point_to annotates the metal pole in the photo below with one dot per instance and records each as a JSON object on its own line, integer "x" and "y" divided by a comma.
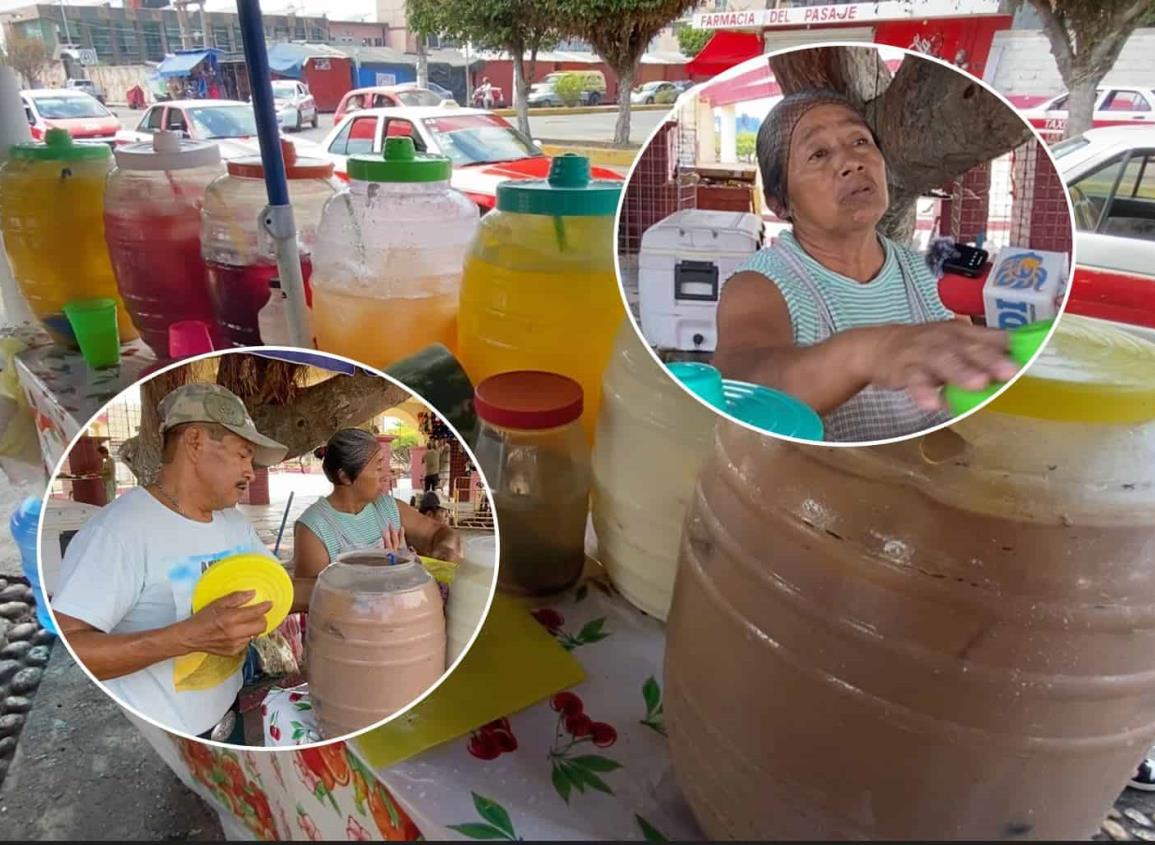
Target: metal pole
{"x": 64, "y": 15}
{"x": 277, "y": 218}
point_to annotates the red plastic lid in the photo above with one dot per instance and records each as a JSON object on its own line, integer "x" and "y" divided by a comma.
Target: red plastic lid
{"x": 251, "y": 167}
{"x": 528, "y": 399}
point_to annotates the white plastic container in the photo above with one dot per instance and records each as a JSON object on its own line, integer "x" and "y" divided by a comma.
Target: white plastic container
{"x": 389, "y": 256}
{"x": 469, "y": 595}
{"x": 652, "y": 438}
{"x": 684, "y": 261}
{"x": 1024, "y": 286}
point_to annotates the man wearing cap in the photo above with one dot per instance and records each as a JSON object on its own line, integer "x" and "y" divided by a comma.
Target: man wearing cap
{"x": 125, "y": 601}
{"x": 835, "y": 313}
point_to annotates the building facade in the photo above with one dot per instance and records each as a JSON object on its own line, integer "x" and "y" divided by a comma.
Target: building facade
{"x": 132, "y": 36}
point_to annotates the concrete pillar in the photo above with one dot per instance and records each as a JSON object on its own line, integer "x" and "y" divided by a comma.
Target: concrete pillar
{"x": 705, "y": 131}
{"x": 729, "y": 146}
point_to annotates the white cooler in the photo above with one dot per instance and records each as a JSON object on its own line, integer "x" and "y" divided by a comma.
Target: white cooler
{"x": 684, "y": 261}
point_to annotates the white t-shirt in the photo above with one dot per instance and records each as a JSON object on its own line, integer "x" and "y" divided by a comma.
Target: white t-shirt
{"x": 132, "y": 568}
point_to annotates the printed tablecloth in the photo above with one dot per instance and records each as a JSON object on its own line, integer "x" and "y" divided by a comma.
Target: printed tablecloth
{"x": 589, "y": 763}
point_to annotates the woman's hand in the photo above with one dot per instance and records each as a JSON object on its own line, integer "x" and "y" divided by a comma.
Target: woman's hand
{"x": 395, "y": 539}
{"x": 922, "y": 359}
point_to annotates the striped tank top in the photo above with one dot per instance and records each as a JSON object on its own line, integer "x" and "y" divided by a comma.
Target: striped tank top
{"x": 344, "y": 532}
{"x": 851, "y": 303}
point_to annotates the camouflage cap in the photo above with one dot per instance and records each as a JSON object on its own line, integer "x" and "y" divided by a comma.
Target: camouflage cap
{"x": 211, "y": 403}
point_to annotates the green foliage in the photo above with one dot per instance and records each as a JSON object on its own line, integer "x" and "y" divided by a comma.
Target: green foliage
{"x": 746, "y": 144}
{"x": 505, "y": 25}
{"x": 406, "y": 436}
{"x": 691, "y": 41}
{"x": 667, "y": 96}
{"x": 569, "y": 88}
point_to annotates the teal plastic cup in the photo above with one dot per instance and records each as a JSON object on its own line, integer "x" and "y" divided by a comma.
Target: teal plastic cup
{"x": 702, "y": 380}
{"x": 93, "y": 323}
{"x": 773, "y": 411}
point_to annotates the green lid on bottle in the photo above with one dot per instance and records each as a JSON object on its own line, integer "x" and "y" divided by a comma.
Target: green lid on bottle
{"x": 59, "y": 146}
{"x": 400, "y": 162}
{"x": 1022, "y": 343}
{"x": 568, "y": 192}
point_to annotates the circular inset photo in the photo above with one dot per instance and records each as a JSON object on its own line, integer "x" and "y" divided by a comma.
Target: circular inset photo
{"x": 268, "y": 547}
{"x": 845, "y": 244}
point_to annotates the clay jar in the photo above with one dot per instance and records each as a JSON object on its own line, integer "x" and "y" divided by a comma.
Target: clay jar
{"x": 375, "y": 641}
{"x": 950, "y": 637}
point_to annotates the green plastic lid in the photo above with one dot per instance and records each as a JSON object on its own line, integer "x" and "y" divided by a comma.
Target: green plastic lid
{"x": 772, "y": 411}
{"x": 568, "y": 192}
{"x": 400, "y": 162}
{"x": 1023, "y": 343}
{"x": 59, "y": 146}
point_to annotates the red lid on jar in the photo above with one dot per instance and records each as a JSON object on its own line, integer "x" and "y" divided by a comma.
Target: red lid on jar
{"x": 251, "y": 167}
{"x": 528, "y": 399}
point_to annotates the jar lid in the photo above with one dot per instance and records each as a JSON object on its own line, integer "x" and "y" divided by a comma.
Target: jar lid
{"x": 400, "y": 162}
{"x": 772, "y": 411}
{"x": 168, "y": 151}
{"x": 568, "y": 192}
{"x": 252, "y": 167}
{"x": 528, "y": 400}
{"x": 59, "y": 146}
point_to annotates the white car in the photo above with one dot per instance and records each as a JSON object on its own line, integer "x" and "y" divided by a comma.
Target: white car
{"x": 295, "y": 105}
{"x": 230, "y": 123}
{"x": 1123, "y": 105}
{"x": 649, "y": 92}
{"x": 1110, "y": 174}
{"x": 484, "y": 148}
{"x": 85, "y": 117}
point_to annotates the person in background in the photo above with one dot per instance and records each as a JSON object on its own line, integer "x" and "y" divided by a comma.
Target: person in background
{"x": 357, "y": 516}
{"x": 836, "y": 314}
{"x": 125, "y": 598}
{"x": 107, "y": 472}
{"x": 431, "y": 461}
{"x": 431, "y": 506}
{"x": 1144, "y": 778}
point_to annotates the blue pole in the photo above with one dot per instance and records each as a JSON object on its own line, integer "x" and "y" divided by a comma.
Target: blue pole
{"x": 277, "y": 219}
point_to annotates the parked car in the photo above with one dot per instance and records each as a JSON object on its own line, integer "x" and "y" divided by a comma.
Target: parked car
{"x": 1110, "y": 173}
{"x": 544, "y": 94}
{"x": 389, "y": 96}
{"x": 230, "y": 123}
{"x": 441, "y": 91}
{"x": 1122, "y": 105}
{"x": 652, "y": 92}
{"x": 295, "y": 105}
{"x": 484, "y": 148}
{"x": 88, "y": 87}
{"x": 81, "y": 114}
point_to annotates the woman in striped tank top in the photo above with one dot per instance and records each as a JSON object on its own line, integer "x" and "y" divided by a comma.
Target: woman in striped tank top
{"x": 834, "y": 313}
{"x": 357, "y": 516}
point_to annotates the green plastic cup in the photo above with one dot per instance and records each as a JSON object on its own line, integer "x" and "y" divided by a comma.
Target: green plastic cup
{"x": 703, "y": 381}
{"x": 93, "y": 322}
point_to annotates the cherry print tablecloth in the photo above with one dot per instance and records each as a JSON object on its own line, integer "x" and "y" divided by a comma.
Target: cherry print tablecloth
{"x": 589, "y": 763}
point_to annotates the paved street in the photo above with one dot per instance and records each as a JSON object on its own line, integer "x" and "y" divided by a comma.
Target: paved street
{"x": 596, "y": 127}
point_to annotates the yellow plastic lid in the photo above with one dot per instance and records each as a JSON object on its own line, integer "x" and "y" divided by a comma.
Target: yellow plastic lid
{"x": 241, "y": 573}
{"x": 1089, "y": 372}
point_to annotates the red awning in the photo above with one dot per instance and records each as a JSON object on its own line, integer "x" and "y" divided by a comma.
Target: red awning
{"x": 723, "y": 51}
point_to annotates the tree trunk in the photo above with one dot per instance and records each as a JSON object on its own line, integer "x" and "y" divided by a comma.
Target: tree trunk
{"x": 625, "y": 86}
{"x": 521, "y": 91}
{"x": 1080, "y": 106}
{"x": 933, "y": 123}
{"x": 422, "y": 62}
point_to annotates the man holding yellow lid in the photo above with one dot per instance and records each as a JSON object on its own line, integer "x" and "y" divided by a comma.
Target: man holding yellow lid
{"x": 125, "y": 601}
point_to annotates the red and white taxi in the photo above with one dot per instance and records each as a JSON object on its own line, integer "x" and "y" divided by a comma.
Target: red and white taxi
{"x": 484, "y": 148}
{"x": 1110, "y": 174}
{"x": 1123, "y": 105}
{"x": 60, "y": 108}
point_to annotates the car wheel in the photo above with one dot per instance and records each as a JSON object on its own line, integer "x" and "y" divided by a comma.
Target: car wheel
{"x": 300, "y": 122}
{"x": 315, "y": 119}
{"x": 649, "y": 101}
{"x": 595, "y": 98}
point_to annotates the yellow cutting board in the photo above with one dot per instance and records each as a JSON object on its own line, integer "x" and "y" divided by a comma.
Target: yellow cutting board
{"x": 513, "y": 664}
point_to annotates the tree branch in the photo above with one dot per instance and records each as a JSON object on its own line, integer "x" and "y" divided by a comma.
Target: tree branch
{"x": 1059, "y": 37}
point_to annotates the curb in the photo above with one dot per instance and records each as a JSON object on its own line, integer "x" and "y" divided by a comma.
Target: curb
{"x": 562, "y": 110}
{"x": 603, "y": 156}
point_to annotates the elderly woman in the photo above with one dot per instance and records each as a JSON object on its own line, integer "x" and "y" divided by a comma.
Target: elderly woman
{"x": 835, "y": 313}
{"x": 358, "y": 516}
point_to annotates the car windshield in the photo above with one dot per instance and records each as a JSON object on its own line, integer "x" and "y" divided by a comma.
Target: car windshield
{"x": 1069, "y": 146}
{"x": 212, "y": 122}
{"x": 68, "y": 108}
{"x": 479, "y": 139}
{"x": 418, "y": 97}
{"x": 284, "y": 90}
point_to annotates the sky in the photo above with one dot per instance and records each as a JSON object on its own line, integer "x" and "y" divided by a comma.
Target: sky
{"x": 337, "y": 9}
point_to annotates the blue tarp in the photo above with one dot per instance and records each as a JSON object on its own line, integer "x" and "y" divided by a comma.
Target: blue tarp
{"x": 370, "y": 75}
{"x": 182, "y": 64}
